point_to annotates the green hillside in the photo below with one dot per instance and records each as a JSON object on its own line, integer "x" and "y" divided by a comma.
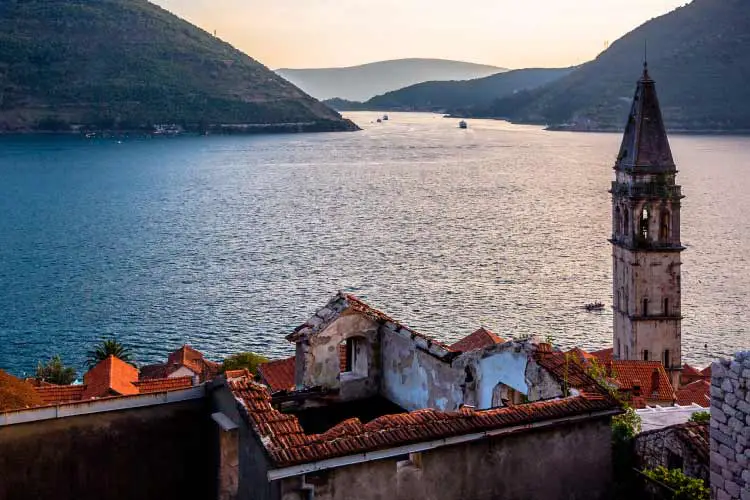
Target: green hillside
{"x": 128, "y": 64}
{"x": 699, "y": 56}
{"x": 461, "y": 96}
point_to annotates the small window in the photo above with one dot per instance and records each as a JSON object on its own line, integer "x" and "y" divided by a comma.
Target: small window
{"x": 645, "y": 355}
{"x": 674, "y": 461}
{"x": 665, "y": 229}
{"x": 666, "y": 358}
{"x": 666, "y": 307}
{"x": 645, "y": 307}
{"x": 645, "y": 221}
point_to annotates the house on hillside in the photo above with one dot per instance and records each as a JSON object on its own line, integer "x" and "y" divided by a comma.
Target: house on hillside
{"x": 367, "y": 402}
{"x": 184, "y": 362}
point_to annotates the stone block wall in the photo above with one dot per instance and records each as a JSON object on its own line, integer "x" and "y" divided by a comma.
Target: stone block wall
{"x": 730, "y": 428}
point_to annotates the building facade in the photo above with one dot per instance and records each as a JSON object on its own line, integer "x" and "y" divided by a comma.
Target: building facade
{"x": 646, "y": 244}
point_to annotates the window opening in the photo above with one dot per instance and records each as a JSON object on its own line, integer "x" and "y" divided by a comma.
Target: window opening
{"x": 645, "y": 307}
{"x": 665, "y": 226}
{"x": 645, "y": 355}
{"x": 645, "y": 217}
{"x": 666, "y": 358}
{"x": 666, "y": 307}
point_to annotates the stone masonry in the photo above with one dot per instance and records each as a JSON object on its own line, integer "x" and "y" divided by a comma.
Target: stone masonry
{"x": 730, "y": 428}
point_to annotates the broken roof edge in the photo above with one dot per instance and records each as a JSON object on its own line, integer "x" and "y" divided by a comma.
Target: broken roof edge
{"x": 341, "y": 302}
{"x": 286, "y": 444}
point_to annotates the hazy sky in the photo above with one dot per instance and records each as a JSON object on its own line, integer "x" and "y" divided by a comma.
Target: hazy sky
{"x": 508, "y": 33}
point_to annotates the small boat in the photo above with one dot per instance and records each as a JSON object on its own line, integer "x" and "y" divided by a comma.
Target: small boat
{"x": 594, "y": 306}
{"x": 385, "y": 118}
{"x": 463, "y": 124}
{"x": 379, "y": 120}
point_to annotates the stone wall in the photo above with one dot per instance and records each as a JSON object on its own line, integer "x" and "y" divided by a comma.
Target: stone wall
{"x": 730, "y": 428}
{"x": 671, "y": 447}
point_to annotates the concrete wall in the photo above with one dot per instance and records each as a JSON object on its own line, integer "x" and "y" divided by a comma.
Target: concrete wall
{"x": 571, "y": 462}
{"x": 730, "y": 428}
{"x": 166, "y": 451}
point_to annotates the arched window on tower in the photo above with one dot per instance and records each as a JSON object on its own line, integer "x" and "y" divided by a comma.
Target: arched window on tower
{"x": 645, "y": 220}
{"x": 665, "y": 226}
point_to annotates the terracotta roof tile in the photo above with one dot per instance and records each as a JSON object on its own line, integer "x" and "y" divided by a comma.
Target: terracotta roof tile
{"x": 480, "y": 339}
{"x": 649, "y": 375}
{"x": 163, "y": 385}
{"x": 604, "y": 355}
{"x": 244, "y": 372}
{"x": 153, "y": 371}
{"x": 53, "y": 394}
{"x": 698, "y": 392}
{"x": 287, "y": 443}
{"x": 111, "y": 376}
{"x": 278, "y": 375}
{"x": 706, "y": 371}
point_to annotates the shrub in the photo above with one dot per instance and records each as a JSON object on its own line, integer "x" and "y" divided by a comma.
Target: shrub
{"x": 241, "y": 360}
{"x": 684, "y": 487}
{"x": 702, "y": 417}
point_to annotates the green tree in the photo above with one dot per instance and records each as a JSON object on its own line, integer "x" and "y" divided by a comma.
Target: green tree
{"x": 682, "y": 486}
{"x": 55, "y": 372}
{"x": 702, "y": 417}
{"x": 106, "y": 348}
{"x": 241, "y": 360}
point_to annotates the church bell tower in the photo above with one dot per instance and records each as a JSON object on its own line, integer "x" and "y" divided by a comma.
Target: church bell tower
{"x": 645, "y": 240}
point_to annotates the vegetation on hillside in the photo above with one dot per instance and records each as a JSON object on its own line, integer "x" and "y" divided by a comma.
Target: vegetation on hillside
{"x": 683, "y": 487}
{"x": 701, "y": 417}
{"x": 55, "y": 372}
{"x": 698, "y": 55}
{"x": 15, "y": 393}
{"x": 128, "y": 64}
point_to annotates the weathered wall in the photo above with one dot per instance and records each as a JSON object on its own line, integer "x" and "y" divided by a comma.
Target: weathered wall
{"x": 653, "y": 449}
{"x": 166, "y": 451}
{"x": 321, "y": 361}
{"x": 730, "y": 428}
{"x": 572, "y": 462}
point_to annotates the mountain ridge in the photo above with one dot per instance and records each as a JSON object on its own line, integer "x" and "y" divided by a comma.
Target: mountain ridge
{"x": 361, "y": 82}
{"x": 129, "y": 64}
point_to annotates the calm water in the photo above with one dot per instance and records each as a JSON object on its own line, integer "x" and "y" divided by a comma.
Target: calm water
{"x": 228, "y": 243}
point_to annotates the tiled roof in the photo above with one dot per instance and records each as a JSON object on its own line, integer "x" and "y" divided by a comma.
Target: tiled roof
{"x": 698, "y": 392}
{"x": 153, "y": 371}
{"x": 580, "y": 355}
{"x": 478, "y": 340}
{"x": 52, "y": 394}
{"x": 287, "y": 444}
{"x": 649, "y": 375}
{"x": 689, "y": 370}
{"x": 278, "y": 375}
{"x": 186, "y": 357}
{"x": 690, "y": 374}
{"x": 244, "y": 372}
{"x": 706, "y": 371}
{"x": 110, "y": 376}
{"x": 164, "y": 384}
{"x": 568, "y": 371}
{"x": 604, "y": 355}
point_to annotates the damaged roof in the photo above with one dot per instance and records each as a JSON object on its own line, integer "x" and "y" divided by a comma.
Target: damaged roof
{"x": 480, "y": 339}
{"x": 287, "y": 444}
{"x": 278, "y": 375}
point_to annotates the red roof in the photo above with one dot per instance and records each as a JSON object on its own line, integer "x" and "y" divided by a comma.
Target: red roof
{"x": 287, "y": 444}
{"x": 164, "y": 384}
{"x": 52, "y": 394}
{"x": 244, "y": 372}
{"x": 706, "y": 371}
{"x": 604, "y": 355}
{"x": 698, "y": 392}
{"x": 111, "y": 376}
{"x": 689, "y": 370}
{"x": 650, "y": 376}
{"x": 581, "y": 356}
{"x": 278, "y": 375}
{"x": 186, "y": 357}
{"x": 478, "y": 340}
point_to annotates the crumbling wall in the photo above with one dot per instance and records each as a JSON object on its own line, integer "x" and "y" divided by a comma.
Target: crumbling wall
{"x": 653, "y": 449}
{"x": 730, "y": 428}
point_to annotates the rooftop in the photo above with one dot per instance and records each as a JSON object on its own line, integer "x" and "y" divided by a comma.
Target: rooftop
{"x": 278, "y": 375}
{"x": 480, "y": 339}
{"x": 698, "y": 392}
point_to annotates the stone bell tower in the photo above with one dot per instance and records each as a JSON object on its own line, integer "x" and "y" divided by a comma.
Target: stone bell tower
{"x": 645, "y": 240}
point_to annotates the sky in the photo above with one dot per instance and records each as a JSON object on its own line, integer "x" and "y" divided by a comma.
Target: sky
{"x": 335, "y": 33}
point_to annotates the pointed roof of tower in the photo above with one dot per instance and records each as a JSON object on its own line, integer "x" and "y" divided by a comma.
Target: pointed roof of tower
{"x": 645, "y": 145}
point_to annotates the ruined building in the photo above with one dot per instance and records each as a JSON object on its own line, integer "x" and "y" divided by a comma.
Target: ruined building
{"x": 645, "y": 240}
{"x": 368, "y": 408}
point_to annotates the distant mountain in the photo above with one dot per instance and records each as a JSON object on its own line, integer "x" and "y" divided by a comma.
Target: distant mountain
{"x": 128, "y": 64}
{"x": 699, "y": 56}
{"x": 359, "y": 83}
{"x": 456, "y": 97}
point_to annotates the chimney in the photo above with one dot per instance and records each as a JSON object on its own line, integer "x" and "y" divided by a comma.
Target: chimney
{"x": 655, "y": 381}
{"x": 636, "y": 388}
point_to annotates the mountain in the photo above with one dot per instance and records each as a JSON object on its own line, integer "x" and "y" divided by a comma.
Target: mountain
{"x": 457, "y": 97}
{"x": 359, "y": 83}
{"x": 128, "y": 64}
{"x": 698, "y": 54}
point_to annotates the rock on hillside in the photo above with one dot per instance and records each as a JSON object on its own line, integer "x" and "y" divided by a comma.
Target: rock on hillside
{"x": 128, "y": 64}
{"x": 699, "y": 56}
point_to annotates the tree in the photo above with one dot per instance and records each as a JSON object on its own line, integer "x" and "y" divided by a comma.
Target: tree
{"x": 55, "y": 372}
{"x": 241, "y": 360}
{"x": 105, "y": 349}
